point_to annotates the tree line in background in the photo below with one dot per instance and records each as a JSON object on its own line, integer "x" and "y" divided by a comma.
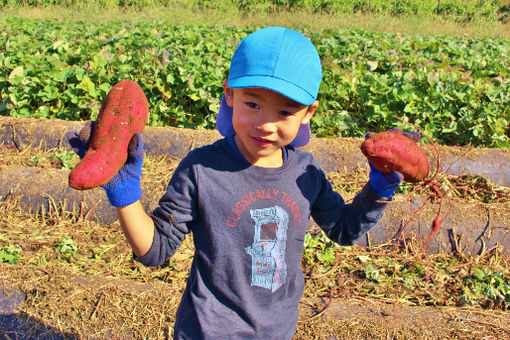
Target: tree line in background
{"x": 456, "y": 10}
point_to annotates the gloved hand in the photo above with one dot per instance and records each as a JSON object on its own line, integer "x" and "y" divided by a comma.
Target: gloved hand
{"x": 124, "y": 188}
{"x": 384, "y": 184}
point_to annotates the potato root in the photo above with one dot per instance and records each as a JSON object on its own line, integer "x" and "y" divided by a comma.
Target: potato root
{"x": 123, "y": 112}
{"x": 391, "y": 150}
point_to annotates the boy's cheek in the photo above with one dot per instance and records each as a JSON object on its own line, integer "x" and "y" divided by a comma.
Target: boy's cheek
{"x": 239, "y": 120}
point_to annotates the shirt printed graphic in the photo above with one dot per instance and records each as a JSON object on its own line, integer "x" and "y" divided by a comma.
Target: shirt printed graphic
{"x": 269, "y": 269}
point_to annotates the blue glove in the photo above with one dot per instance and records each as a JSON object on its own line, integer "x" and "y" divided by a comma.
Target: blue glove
{"x": 384, "y": 184}
{"x": 124, "y": 188}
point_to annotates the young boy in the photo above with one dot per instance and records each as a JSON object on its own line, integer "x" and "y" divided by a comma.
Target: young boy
{"x": 247, "y": 198}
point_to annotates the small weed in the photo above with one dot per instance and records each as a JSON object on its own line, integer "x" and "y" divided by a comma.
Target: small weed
{"x": 52, "y": 158}
{"x": 486, "y": 288}
{"x": 318, "y": 248}
{"x": 10, "y": 254}
{"x": 372, "y": 273}
{"x": 67, "y": 249}
{"x": 66, "y": 159}
{"x": 99, "y": 251}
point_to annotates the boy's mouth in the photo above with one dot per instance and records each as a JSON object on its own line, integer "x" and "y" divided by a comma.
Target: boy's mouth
{"x": 261, "y": 142}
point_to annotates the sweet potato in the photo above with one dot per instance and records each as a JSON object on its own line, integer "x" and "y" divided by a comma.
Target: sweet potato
{"x": 391, "y": 150}
{"x": 123, "y": 112}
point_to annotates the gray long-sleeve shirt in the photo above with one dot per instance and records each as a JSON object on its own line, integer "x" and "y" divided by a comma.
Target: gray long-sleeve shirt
{"x": 248, "y": 227}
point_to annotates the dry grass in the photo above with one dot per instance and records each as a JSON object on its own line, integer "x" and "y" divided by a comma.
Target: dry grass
{"x": 99, "y": 292}
{"x": 185, "y": 15}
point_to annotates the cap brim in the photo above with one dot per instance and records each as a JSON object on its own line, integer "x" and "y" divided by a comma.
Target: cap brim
{"x": 278, "y": 85}
{"x": 226, "y": 129}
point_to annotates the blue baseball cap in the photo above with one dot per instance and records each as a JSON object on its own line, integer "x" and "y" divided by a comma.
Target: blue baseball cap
{"x": 277, "y": 59}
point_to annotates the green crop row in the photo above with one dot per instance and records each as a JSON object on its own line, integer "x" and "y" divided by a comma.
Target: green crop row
{"x": 457, "y": 90}
{"x": 457, "y": 10}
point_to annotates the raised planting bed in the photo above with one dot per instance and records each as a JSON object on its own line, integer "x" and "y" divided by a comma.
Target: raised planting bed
{"x": 468, "y": 223}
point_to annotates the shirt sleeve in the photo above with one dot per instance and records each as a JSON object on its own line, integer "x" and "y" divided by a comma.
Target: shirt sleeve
{"x": 174, "y": 215}
{"x": 345, "y": 223}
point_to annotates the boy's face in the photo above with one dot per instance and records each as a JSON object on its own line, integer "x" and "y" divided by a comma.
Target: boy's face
{"x": 265, "y": 121}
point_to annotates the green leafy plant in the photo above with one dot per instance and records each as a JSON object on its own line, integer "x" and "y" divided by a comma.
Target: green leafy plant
{"x": 67, "y": 159}
{"x": 99, "y": 251}
{"x": 10, "y": 254}
{"x": 56, "y": 158}
{"x": 455, "y": 89}
{"x": 372, "y": 273}
{"x": 319, "y": 249}
{"x": 484, "y": 287}
{"x": 67, "y": 249}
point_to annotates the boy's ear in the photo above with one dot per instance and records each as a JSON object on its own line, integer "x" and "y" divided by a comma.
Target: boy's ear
{"x": 228, "y": 93}
{"x": 310, "y": 112}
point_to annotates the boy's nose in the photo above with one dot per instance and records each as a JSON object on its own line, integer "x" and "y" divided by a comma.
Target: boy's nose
{"x": 265, "y": 124}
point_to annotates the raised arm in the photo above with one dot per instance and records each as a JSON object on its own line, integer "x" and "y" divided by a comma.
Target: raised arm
{"x": 137, "y": 226}
{"x": 124, "y": 192}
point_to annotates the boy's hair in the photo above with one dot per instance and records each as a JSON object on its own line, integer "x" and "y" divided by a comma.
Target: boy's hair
{"x": 278, "y": 59}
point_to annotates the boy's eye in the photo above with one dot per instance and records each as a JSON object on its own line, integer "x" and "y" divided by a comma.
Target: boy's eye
{"x": 252, "y": 105}
{"x": 285, "y": 113}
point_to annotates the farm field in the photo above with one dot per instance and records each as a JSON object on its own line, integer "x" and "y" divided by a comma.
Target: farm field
{"x": 66, "y": 275}
{"x": 456, "y": 89}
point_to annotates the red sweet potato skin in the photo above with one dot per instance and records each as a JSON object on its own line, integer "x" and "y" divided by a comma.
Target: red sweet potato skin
{"x": 124, "y": 112}
{"x": 391, "y": 150}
